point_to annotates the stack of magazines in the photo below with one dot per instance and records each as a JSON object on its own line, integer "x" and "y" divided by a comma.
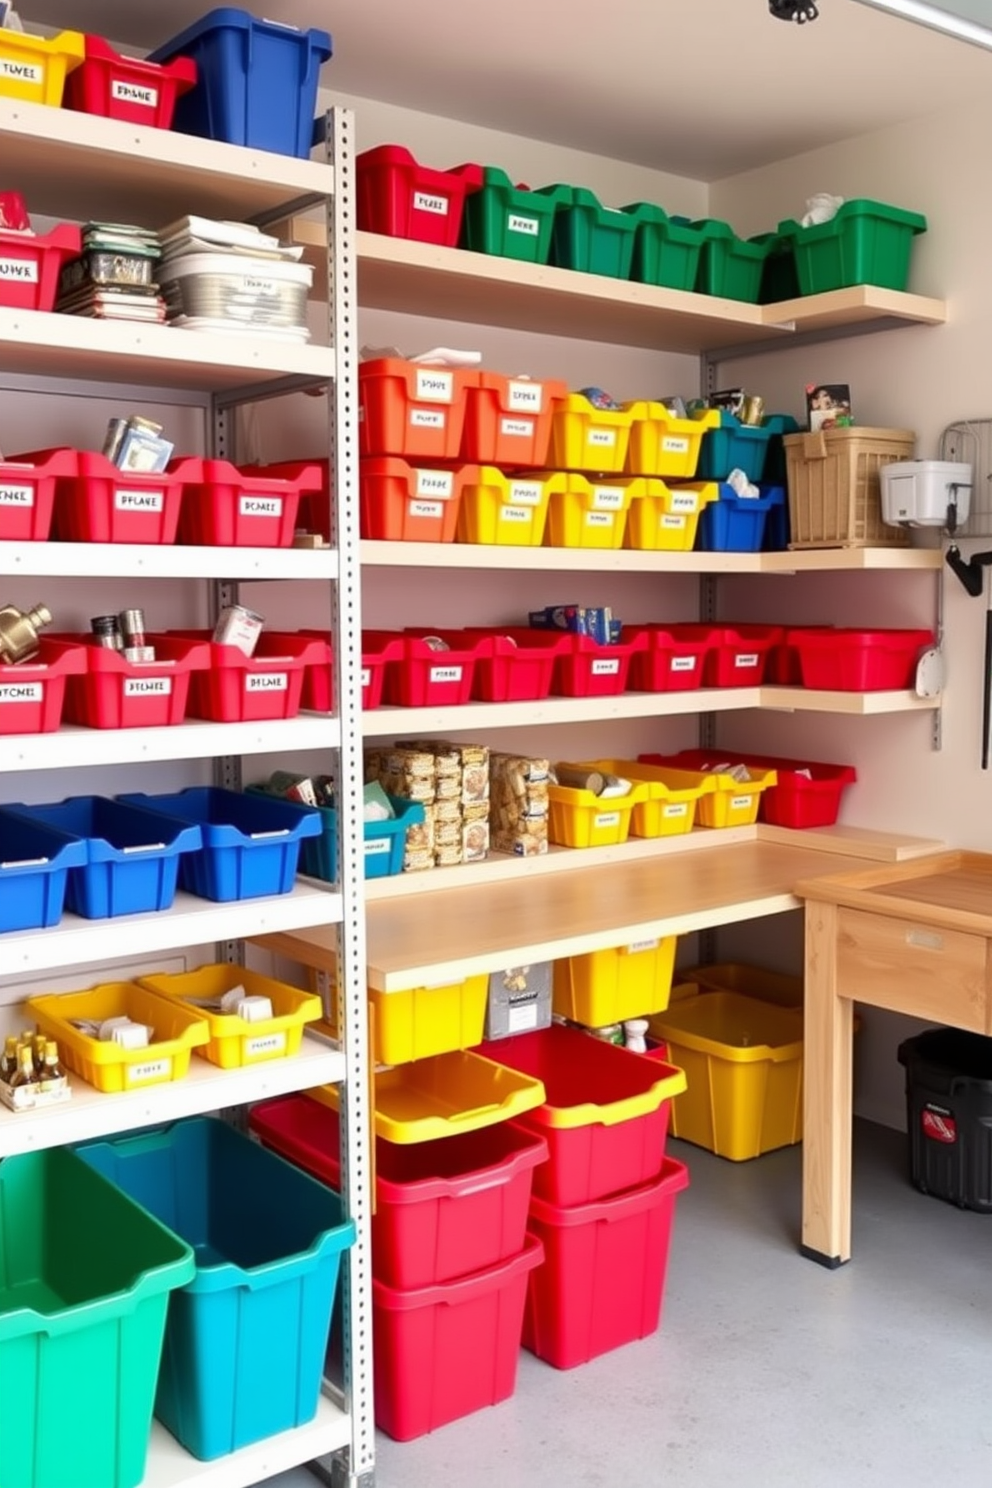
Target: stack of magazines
{"x": 231, "y": 277}
{"x": 114, "y": 278}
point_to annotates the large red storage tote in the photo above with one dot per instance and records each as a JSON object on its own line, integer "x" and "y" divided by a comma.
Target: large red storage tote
{"x": 668, "y": 660}
{"x": 117, "y": 693}
{"x": 27, "y": 493}
{"x": 421, "y": 676}
{"x": 32, "y": 693}
{"x": 403, "y": 199}
{"x": 126, "y": 88}
{"x": 584, "y": 668}
{"x": 515, "y": 664}
{"x": 99, "y": 503}
{"x": 226, "y": 507}
{"x": 604, "y": 1271}
{"x": 853, "y": 660}
{"x": 406, "y": 408}
{"x": 236, "y": 688}
{"x": 508, "y": 420}
{"x": 30, "y": 265}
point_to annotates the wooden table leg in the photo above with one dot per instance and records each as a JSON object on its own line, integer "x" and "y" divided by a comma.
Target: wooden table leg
{"x": 827, "y": 1080}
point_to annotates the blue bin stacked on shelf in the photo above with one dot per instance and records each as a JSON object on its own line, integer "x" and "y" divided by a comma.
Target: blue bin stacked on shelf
{"x": 739, "y": 523}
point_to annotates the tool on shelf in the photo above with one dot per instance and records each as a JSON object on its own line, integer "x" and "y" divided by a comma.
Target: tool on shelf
{"x": 971, "y": 572}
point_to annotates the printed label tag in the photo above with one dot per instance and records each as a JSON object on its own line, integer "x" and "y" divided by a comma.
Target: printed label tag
{"x": 133, "y": 93}
{"x": 529, "y": 225}
{"x": 599, "y": 519}
{"x": 151, "y": 1069}
{"x": 515, "y": 514}
{"x": 741, "y": 803}
{"x": 522, "y": 1017}
{"x": 18, "y": 270}
{"x": 675, "y": 809}
{"x": 683, "y": 664}
{"x": 641, "y": 945}
{"x": 366, "y": 676}
{"x": 437, "y": 483}
{"x": 266, "y": 681}
{"x": 602, "y": 438}
{"x": 147, "y": 686}
{"x": 683, "y": 503}
{"x": 16, "y": 495}
{"x": 607, "y": 819}
{"x": 445, "y": 674}
{"x": 265, "y": 1043}
{"x": 139, "y": 501}
{"x": 374, "y": 845}
{"x": 607, "y": 498}
{"x": 423, "y": 201}
{"x": 21, "y": 72}
{"x": 260, "y": 506}
{"x": 746, "y": 659}
{"x": 433, "y": 386}
{"x": 425, "y": 508}
{"x": 426, "y": 418}
{"x": 674, "y": 444}
{"x": 517, "y": 428}
{"x": 524, "y": 397}
{"x": 606, "y": 667}
{"x": 524, "y": 493}
{"x": 673, "y": 524}
{"x": 22, "y": 692}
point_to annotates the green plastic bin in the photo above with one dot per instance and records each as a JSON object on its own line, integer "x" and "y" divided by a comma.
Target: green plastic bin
{"x": 510, "y": 221}
{"x": 666, "y": 252}
{"x": 779, "y": 276}
{"x": 85, "y": 1278}
{"x": 588, "y": 236}
{"x": 729, "y": 266}
{"x": 866, "y": 242}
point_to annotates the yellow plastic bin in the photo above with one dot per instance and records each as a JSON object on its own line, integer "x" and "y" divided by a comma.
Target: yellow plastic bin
{"x": 106, "y": 1065}
{"x": 233, "y": 1042}
{"x": 664, "y": 518}
{"x": 587, "y": 438}
{"x": 507, "y": 510}
{"x": 743, "y": 1062}
{"x": 444, "y": 1095}
{"x": 33, "y": 69}
{"x": 584, "y": 513}
{"x": 628, "y": 981}
{"x": 421, "y": 1021}
{"x": 670, "y": 803}
{"x": 662, "y": 444}
{"x": 579, "y": 818}
{"x": 777, "y": 987}
{"x": 733, "y": 803}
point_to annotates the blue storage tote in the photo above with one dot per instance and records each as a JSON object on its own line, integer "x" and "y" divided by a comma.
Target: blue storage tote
{"x": 736, "y": 524}
{"x": 132, "y": 856}
{"x": 35, "y": 862}
{"x": 85, "y": 1276}
{"x": 246, "y": 1337}
{"x": 251, "y": 844}
{"x": 734, "y": 446}
{"x": 256, "y": 81}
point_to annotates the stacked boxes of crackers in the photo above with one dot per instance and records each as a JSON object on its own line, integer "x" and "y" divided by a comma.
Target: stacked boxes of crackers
{"x": 452, "y": 783}
{"x": 518, "y": 805}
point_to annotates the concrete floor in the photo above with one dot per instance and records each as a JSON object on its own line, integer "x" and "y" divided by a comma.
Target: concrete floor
{"x": 768, "y": 1370}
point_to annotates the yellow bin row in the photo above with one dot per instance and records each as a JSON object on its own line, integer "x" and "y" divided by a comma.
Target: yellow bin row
{"x": 662, "y": 802}
{"x": 641, "y": 438}
{"x": 33, "y": 68}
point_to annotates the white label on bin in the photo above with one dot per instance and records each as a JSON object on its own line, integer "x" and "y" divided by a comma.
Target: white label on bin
{"x": 746, "y": 659}
{"x": 19, "y": 270}
{"x": 683, "y": 663}
{"x": 434, "y": 386}
{"x": 602, "y": 438}
{"x": 522, "y": 1017}
{"x": 517, "y": 428}
{"x": 252, "y": 284}
{"x": 266, "y": 681}
{"x": 741, "y": 803}
{"x": 265, "y": 1043}
{"x": 426, "y": 418}
{"x": 423, "y": 201}
{"x": 606, "y": 667}
{"x": 529, "y": 225}
{"x": 683, "y": 503}
{"x": 366, "y": 676}
{"x": 260, "y": 506}
{"x": 141, "y": 501}
{"x": 607, "y": 819}
{"x": 425, "y": 508}
{"x": 642, "y": 945}
{"x": 147, "y": 686}
{"x": 675, "y": 809}
{"x": 445, "y": 674}
{"x": 21, "y": 72}
{"x": 151, "y": 1069}
{"x": 133, "y": 93}
{"x": 16, "y": 495}
{"x": 524, "y": 397}
{"x": 376, "y": 845}
{"x": 673, "y": 524}
{"x": 524, "y": 493}
{"x": 675, "y": 444}
{"x": 22, "y": 692}
{"x": 607, "y": 498}
{"x": 515, "y": 514}
{"x": 600, "y": 519}
{"x": 436, "y": 483}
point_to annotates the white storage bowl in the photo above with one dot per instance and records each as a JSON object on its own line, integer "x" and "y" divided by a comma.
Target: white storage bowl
{"x": 231, "y": 286}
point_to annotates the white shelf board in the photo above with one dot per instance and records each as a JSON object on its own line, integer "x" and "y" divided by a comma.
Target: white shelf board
{"x": 72, "y": 747}
{"x": 79, "y": 166}
{"x": 810, "y": 700}
{"x": 582, "y": 560}
{"x": 148, "y": 561}
{"x": 88, "y": 1114}
{"x": 34, "y": 343}
{"x": 190, "y": 921}
{"x": 169, "y": 1466}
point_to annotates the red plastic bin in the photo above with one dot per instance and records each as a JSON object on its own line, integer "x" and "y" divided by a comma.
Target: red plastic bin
{"x": 515, "y": 664}
{"x": 116, "y": 693}
{"x": 400, "y": 502}
{"x": 225, "y": 507}
{"x": 32, "y": 694}
{"x": 99, "y": 503}
{"x": 508, "y": 420}
{"x": 405, "y": 408}
{"x": 125, "y": 88}
{"x": 852, "y": 660}
{"x": 30, "y": 266}
{"x": 668, "y": 661}
{"x": 443, "y": 1209}
{"x": 314, "y": 512}
{"x": 603, "y": 1278}
{"x": 605, "y": 1118}
{"x": 796, "y": 800}
{"x": 737, "y": 655}
{"x": 398, "y": 197}
{"x": 418, "y": 676}
{"x": 27, "y": 493}
{"x": 379, "y": 650}
{"x": 446, "y": 1351}
{"x": 584, "y": 668}
{"x": 236, "y": 688}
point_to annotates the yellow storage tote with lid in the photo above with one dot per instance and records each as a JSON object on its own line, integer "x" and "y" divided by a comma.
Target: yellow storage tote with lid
{"x": 508, "y": 510}
{"x": 584, "y": 437}
{"x": 664, "y": 518}
{"x": 608, "y": 986}
{"x": 662, "y": 444}
{"x": 233, "y": 1041}
{"x": 587, "y": 513}
{"x": 434, "y": 1019}
{"x": 743, "y": 1063}
{"x": 33, "y": 68}
{"x": 669, "y": 805}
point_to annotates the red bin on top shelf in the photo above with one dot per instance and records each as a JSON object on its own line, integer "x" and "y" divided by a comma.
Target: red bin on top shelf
{"x": 230, "y": 508}
{"x": 127, "y": 88}
{"x": 30, "y": 266}
{"x": 508, "y": 420}
{"x": 403, "y": 199}
{"x": 405, "y": 408}
{"x": 27, "y": 493}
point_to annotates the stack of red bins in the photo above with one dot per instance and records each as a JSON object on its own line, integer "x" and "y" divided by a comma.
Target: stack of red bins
{"x": 604, "y": 1203}
{"x": 451, "y": 1257}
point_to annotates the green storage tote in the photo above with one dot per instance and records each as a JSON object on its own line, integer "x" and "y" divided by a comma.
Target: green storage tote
{"x": 666, "y": 252}
{"x": 510, "y": 221}
{"x": 85, "y": 1276}
{"x": 729, "y": 266}
{"x": 866, "y": 242}
{"x": 588, "y": 236}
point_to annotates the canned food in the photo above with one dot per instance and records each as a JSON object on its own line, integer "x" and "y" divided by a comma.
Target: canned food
{"x": 107, "y": 630}
{"x": 132, "y": 624}
{"x": 238, "y": 626}
{"x": 436, "y": 643}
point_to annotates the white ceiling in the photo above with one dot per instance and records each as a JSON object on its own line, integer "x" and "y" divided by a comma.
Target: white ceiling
{"x": 701, "y": 88}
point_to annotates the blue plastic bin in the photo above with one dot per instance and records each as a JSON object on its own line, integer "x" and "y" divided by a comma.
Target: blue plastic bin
{"x": 736, "y": 524}
{"x": 734, "y": 446}
{"x": 256, "y": 81}
{"x": 35, "y": 863}
{"x": 132, "y": 856}
{"x": 251, "y": 843}
{"x": 246, "y": 1338}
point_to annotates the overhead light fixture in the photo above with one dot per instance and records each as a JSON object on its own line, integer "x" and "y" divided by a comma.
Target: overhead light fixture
{"x": 950, "y": 23}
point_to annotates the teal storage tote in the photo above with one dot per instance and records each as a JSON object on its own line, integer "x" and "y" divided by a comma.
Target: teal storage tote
{"x": 866, "y": 242}
{"x": 666, "y": 251}
{"x": 85, "y": 1276}
{"x": 384, "y": 841}
{"x": 246, "y": 1337}
{"x": 588, "y": 236}
{"x": 509, "y": 221}
{"x": 734, "y": 446}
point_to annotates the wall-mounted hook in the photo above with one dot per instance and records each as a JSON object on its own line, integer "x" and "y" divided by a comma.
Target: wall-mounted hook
{"x": 971, "y": 571}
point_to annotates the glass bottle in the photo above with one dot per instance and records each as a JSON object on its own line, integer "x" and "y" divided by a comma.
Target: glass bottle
{"x": 24, "y": 1074}
{"x": 8, "y": 1065}
{"x": 52, "y": 1073}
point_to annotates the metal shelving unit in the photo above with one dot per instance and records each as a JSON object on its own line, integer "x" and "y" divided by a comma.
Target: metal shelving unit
{"x": 77, "y": 165}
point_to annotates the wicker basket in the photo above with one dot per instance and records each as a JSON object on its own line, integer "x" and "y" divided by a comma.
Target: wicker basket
{"x": 834, "y": 489}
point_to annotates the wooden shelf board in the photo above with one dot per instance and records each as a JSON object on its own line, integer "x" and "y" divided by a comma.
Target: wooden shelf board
{"x": 583, "y": 560}
{"x": 149, "y": 561}
{"x": 855, "y": 842}
{"x": 811, "y": 700}
{"x": 854, "y": 306}
{"x": 383, "y": 723}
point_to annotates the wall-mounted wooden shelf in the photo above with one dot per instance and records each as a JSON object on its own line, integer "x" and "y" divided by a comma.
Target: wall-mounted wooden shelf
{"x": 585, "y": 560}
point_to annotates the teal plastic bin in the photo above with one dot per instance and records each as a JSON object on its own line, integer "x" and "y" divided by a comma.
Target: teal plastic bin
{"x": 666, "y": 252}
{"x": 867, "y": 242}
{"x": 588, "y": 236}
{"x": 246, "y": 1337}
{"x": 85, "y": 1276}
{"x": 734, "y": 446}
